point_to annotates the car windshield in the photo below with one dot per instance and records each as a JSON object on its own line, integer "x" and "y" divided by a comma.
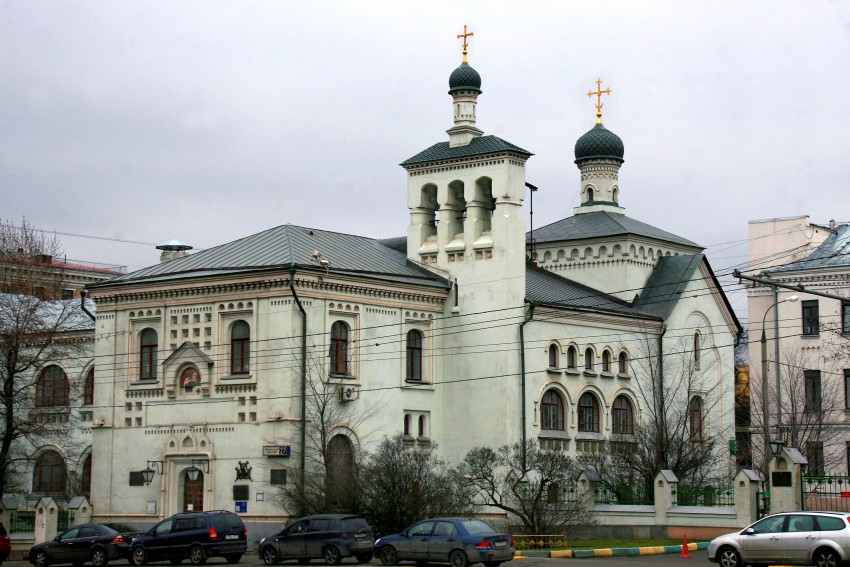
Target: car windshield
{"x": 477, "y": 527}
{"x": 354, "y": 524}
{"x": 123, "y": 528}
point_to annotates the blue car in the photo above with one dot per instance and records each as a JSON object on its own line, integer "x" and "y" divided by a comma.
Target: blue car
{"x": 458, "y": 541}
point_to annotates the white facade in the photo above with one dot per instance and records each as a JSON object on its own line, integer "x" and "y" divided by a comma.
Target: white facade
{"x": 497, "y": 336}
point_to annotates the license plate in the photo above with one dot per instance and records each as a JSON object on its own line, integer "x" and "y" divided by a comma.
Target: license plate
{"x": 501, "y": 543}
{"x": 231, "y": 536}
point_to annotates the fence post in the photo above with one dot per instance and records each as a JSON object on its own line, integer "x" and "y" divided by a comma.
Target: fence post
{"x": 46, "y": 514}
{"x": 80, "y": 507}
{"x": 665, "y": 483}
{"x": 587, "y": 481}
{"x": 746, "y": 496}
{"x": 785, "y": 478}
{"x": 9, "y": 505}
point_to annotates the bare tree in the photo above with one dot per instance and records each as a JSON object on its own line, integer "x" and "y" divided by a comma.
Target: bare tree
{"x": 535, "y": 487}
{"x": 678, "y": 394}
{"x": 37, "y": 330}
{"x": 331, "y": 475}
{"x": 810, "y": 407}
{"x": 403, "y": 481}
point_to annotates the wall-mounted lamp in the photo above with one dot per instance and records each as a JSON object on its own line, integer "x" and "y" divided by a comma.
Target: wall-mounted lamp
{"x": 148, "y": 473}
{"x": 193, "y": 471}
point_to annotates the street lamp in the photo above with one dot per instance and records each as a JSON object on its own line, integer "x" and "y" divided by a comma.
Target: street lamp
{"x": 148, "y": 473}
{"x": 776, "y": 447}
{"x": 764, "y": 389}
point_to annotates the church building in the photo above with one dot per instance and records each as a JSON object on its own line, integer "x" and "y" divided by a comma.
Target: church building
{"x": 468, "y": 331}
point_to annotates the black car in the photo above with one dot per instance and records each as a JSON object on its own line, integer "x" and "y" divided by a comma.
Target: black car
{"x": 129, "y": 532}
{"x": 194, "y": 536}
{"x": 327, "y": 536}
{"x": 86, "y": 543}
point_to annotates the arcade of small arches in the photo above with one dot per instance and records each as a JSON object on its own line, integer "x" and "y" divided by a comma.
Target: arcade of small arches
{"x": 457, "y": 207}
{"x": 601, "y": 252}
{"x": 589, "y": 360}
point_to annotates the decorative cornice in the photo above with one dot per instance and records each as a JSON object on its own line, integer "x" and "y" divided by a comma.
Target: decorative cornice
{"x": 466, "y": 163}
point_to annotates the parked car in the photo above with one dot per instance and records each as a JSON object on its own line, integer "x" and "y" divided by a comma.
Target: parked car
{"x": 87, "y": 543}
{"x": 194, "y": 536}
{"x": 129, "y": 532}
{"x": 326, "y": 536}
{"x": 791, "y": 538}
{"x": 5, "y": 547}
{"x": 460, "y": 541}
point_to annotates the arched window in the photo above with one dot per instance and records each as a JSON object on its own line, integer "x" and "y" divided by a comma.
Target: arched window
{"x": 49, "y": 474}
{"x": 552, "y": 411}
{"x": 148, "y": 355}
{"x": 615, "y": 195}
{"x": 572, "y": 357}
{"x": 589, "y": 194}
{"x": 553, "y": 356}
{"x": 407, "y": 424}
{"x": 606, "y": 361}
{"x": 588, "y": 359}
{"x": 696, "y": 418}
{"x": 622, "y": 416}
{"x": 85, "y": 478}
{"x": 340, "y": 473}
{"x": 52, "y": 388}
{"x": 414, "y": 356}
{"x": 588, "y": 413}
{"x": 88, "y": 388}
{"x": 696, "y": 350}
{"x": 422, "y": 423}
{"x": 339, "y": 348}
{"x": 240, "y": 348}
{"x": 623, "y": 363}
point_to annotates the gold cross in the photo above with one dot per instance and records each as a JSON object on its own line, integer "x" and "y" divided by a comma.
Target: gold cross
{"x": 599, "y": 92}
{"x": 465, "y": 35}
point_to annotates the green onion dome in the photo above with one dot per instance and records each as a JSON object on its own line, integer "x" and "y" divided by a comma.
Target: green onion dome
{"x": 599, "y": 142}
{"x": 464, "y": 78}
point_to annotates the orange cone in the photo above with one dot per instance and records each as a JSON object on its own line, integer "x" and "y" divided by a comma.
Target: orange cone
{"x": 685, "y": 552}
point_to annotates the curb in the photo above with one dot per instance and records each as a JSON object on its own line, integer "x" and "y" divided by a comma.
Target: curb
{"x": 610, "y": 552}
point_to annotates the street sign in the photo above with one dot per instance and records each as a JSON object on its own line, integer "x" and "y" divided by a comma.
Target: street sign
{"x": 276, "y": 450}
{"x": 845, "y": 494}
{"x": 241, "y": 507}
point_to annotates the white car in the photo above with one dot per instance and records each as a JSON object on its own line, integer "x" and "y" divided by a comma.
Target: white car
{"x": 791, "y": 538}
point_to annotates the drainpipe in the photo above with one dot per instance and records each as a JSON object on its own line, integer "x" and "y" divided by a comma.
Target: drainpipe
{"x": 83, "y": 305}
{"x": 528, "y": 318}
{"x": 303, "y": 377}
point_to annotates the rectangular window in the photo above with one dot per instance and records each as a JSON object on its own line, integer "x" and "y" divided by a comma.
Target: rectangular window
{"x": 814, "y": 454}
{"x": 847, "y": 388}
{"x": 845, "y": 317}
{"x": 811, "y": 318}
{"x": 278, "y": 476}
{"x": 813, "y": 391}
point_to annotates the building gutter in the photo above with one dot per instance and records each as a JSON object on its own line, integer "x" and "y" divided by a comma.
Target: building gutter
{"x": 303, "y": 377}
{"x": 83, "y": 305}
{"x": 528, "y": 318}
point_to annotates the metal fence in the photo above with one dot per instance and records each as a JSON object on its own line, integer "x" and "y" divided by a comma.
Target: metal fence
{"x": 709, "y": 495}
{"x": 826, "y": 493}
{"x": 526, "y": 542}
{"x": 623, "y": 495}
{"x": 64, "y": 519}
{"x": 22, "y": 521}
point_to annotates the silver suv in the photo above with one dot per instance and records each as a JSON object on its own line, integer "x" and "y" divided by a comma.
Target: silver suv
{"x": 791, "y": 538}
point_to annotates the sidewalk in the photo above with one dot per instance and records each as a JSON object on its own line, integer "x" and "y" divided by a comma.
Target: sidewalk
{"x": 611, "y": 551}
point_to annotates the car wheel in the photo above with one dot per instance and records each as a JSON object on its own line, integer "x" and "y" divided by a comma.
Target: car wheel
{"x": 389, "y": 556}
{"x": 233, "y": 557}
{"x": 138, "y": 556}
{"x": 197, "y": 555}
{"x": 269, "y": 555}
{"x": 303, "y": 560}
{"x": 363, "y": 557}
{"x": 827, "y": 558}
{"x": 41, "y": 559}
{"x": 457, "y": 558}
{"x": 728, "y": 557}
{"x": 98, "y": 557}
{"x": 332, "y": 555}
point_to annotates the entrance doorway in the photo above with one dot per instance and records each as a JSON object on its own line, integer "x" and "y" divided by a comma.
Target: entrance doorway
{"x": 193, "y": 493}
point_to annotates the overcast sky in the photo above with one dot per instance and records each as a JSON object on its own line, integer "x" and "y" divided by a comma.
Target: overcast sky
{"x": 209, "y": 121}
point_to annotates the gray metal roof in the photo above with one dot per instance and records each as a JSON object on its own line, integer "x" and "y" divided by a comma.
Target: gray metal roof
{"x": 544, "y": 287}
{"x": 289, "y": 246}
{"x": 603, "y": 224}
{"x": 665, "y": 285}
{"x": 481, "y": 145}
{"x": 834, "y": 252}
